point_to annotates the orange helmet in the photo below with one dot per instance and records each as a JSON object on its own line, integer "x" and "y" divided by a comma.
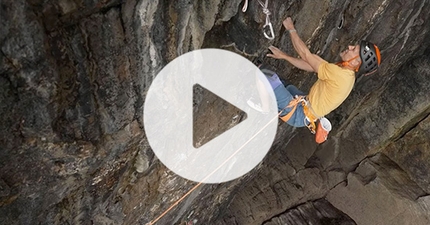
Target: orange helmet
{"x": 370, "y": 57}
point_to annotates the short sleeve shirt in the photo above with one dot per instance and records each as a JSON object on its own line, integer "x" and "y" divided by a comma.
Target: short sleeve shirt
{"x": 333, "y": 86}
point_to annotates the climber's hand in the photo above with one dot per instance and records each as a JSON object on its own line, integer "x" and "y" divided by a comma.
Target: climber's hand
{"x": 288, "y": 24}
{"x": 276, "y": 53}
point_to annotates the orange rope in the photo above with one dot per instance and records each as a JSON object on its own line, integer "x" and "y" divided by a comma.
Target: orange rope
{"x": 200, "y": 183}
{"x": 176, "y": 203}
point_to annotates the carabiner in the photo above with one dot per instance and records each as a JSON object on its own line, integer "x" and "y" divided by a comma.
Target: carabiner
{"x": 266, "y": 11}
{"x": 245, "y": 6}
{"x": 272, "y": 34}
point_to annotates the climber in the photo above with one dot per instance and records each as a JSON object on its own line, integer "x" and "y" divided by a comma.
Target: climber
{"x": 334, "y": 84}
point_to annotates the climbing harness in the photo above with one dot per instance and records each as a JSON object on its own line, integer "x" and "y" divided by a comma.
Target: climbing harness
{"x": 324, "y": 125}
{"x": 310, "y": 117}
{"x": 268, "y": 25}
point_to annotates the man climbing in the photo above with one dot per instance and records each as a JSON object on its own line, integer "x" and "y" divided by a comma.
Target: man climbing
{"x": 334, "y": 84}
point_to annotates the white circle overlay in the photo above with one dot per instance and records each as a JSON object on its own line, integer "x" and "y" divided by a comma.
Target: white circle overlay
{"x": 168, "y": 116}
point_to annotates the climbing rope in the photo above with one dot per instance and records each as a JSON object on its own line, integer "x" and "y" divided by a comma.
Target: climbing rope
{"x": 293, "y": 104}
{"x": 204, "y": 179}
{"x": 267, "y": 27}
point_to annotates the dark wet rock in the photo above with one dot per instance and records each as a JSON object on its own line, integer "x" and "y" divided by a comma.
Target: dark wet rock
{"x": 410, "y": 152}
{"x": 319, "y": 212}
{"x": 73, "y": 79}
{"x": 375, "y": 203}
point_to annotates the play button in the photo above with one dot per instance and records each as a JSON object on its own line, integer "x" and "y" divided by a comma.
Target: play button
{"x": 168, "y": 116}
{"x": 212, "y": 115}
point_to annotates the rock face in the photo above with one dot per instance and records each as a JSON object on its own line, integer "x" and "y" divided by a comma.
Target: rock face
{"x": 318, "y": 212}
{"x": 73, "y": 76}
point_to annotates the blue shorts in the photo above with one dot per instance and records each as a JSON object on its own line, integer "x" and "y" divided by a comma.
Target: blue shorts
{"x": 283, "y": 97}
{"x": 272, "y": 77}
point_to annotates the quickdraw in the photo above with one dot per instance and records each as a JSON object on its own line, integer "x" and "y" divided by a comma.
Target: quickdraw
{"x": 268, "y": 25}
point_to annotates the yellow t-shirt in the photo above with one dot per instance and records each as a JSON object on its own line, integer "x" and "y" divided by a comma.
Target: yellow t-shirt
{"x": 332, "y": 88}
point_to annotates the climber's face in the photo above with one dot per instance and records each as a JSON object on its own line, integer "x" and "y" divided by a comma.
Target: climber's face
{"x": 351, "y": 52}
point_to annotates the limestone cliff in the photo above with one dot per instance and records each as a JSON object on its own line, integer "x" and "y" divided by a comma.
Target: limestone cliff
{"x": 73, "y": 76}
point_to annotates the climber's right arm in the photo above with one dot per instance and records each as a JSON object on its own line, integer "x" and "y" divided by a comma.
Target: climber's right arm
{"x": 299, "y": 63}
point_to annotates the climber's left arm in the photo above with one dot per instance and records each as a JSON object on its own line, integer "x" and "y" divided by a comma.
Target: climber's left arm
{"x": 313, "y": 60}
